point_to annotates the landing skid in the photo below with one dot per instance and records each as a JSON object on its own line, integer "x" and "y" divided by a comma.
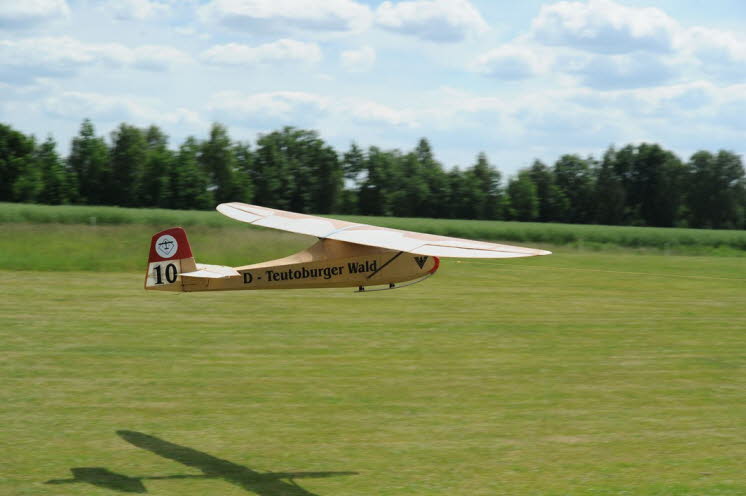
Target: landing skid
{"x": 363, "y": 289}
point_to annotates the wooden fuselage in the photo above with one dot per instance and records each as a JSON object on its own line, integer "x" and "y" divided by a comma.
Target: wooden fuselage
{"x": 327, "y": 264}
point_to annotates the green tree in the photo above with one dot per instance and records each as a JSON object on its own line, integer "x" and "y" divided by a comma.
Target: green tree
{"x": 353, "y": 167}
{"x": 523, "y": 200}
{"x": 295, "y": 169}
{"x": 716, "y": 190}
{"x": 89, "y": 167}
{"x": 411, "y": 194}
{"x": 381, "y": 189}
{"x": 610, "y": 196}
{"x": 219, "y": 161}
{"x": 243, "y": 187}
{"x": 624, "y": 165}
{"x": 189, "y": 182}
{"x": 329, "y": 178}
{"x": 54, "y": 177}
{"x": 410, "y": 185}
{"x": 128, "y": 156}
{"x": 353, "y": 164}
{"x": 29, "y": 183}
{"x": 459, "y": 195}
{"x": 657, "y": 183}
{"x": 271, "y": 176}
{"x": 157, "y": 176}
{"x": 553, "y": 204}
{"x": 482, "y": 184}
{"x": 435, "y": 179}
{"x": 574, "y": 178}
{"x": 16, "y": 156}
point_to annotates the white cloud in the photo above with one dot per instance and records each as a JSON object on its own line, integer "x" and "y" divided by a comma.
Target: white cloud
{"x": 136, "y": 10}
{"x": 690, "y": 102}
{"x": 368, "y": 112}
{"x": 524, "y": 124}
{"x": 284, "y": 16}
{"x": 716, "y": 44}
{"x": 512, "y": 62}
{"x": 434, "y": 20}
{"x": 192, "y": 32}
{"x": 585, "y": 120}
{"x": 730, "y": 111}
{"x": 268, "y": 109}
{"x": 120, "y": 108}
{"x": 279, "y": 108}
{"x": 284, "y": 50}
{"x": 588, "y": 72}
{"x": 611, "y": 46}
{"x": 360, "y": 60}
{"x": 624, "y": 71}
{"x": 157, "y": 57}
{"x": 603, "y": 26}
{"x": 20, "y": 14}
{"x": 24, "y": 60}
{"x": 719, "y": 53}
{"x": 91, "y": 105}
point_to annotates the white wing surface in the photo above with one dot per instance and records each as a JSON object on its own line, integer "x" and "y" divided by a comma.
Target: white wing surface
{"x": 364, "y": 234}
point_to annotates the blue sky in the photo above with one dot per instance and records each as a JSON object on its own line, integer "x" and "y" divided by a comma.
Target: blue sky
{"x": 517, "y": 80}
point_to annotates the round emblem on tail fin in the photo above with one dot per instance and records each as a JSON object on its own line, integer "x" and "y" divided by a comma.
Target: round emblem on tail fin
{"x": 166, "y": 246}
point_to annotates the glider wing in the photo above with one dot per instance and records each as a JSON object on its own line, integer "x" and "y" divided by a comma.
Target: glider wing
{"x": 364, "y": 234}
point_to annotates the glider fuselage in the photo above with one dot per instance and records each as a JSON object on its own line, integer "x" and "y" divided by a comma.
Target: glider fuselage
{"x": 367, "y": 270}
{"x": 327, "y": 264}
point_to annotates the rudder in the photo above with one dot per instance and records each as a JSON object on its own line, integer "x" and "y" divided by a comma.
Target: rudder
{"x": 170, "y": 256}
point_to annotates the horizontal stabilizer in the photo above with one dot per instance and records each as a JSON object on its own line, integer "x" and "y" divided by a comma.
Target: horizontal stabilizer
{"x": 212, "y": 271}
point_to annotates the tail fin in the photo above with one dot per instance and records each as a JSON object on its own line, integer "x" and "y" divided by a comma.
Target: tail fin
{"x": 170, "y": 256}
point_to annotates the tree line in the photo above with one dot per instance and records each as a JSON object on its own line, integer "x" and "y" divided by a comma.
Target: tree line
{"x": 294, "y": 169}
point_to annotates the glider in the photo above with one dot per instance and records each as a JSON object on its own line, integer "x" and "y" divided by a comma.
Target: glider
{"x": 347, "y": 254}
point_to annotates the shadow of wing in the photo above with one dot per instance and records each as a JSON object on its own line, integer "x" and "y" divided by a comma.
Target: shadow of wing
{"x": 208, "y": 464}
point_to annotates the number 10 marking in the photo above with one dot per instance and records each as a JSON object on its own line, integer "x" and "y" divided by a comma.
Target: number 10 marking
{"x": 170, "y": 274}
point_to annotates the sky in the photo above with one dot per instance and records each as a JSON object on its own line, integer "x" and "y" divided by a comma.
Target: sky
{"x": 518, "y": 81}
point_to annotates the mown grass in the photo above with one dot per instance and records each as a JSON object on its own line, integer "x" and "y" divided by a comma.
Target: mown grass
{"x": 579, "y": 374}
{"x": 592, "y": 237}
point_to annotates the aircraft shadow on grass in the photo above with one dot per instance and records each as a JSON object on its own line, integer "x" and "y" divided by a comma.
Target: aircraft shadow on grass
{"x": 262, "y": 484}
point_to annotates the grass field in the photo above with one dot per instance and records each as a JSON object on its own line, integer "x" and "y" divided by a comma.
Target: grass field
{"x": 582, "y": 373}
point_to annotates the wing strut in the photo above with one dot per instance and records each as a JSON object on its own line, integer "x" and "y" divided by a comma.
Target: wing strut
{"x": 384, "y": 265}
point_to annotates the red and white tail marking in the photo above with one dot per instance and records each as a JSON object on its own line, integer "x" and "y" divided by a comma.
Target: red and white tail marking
{"x": 170, "y": 256}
